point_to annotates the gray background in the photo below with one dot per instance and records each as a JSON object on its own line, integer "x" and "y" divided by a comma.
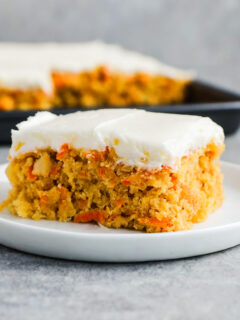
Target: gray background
{"x": 203, "y": 35}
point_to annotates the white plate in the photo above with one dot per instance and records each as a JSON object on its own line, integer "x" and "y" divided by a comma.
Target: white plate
{"x": 92, "y": 243}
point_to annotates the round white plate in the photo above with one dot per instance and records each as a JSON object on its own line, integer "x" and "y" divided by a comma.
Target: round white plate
{"x": 93, "y": 243}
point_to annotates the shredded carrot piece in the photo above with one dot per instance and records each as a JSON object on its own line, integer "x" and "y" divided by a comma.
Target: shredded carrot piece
{"x": 64, "y": 149}
{"x": 58, "y": 80}
{"x": 166, "y": 167}
{"x": 63, "y": 193}
{"x": 61, "y": 80}
{"x": 101, "y": 172}
{"x": 154, "y": 222}
{"x": 87, "y": 155}
{"x": 119, "y": 203}
{"x": 174, "y": 180}
{"x": 143, "y": 78}
{"x": 43, "y": 199}
{"x": 31, "y": 175}
{"x": 91, "y": 215}
{"x": 54, "y": 171}
{"x": 96, "y": 155}
{"x": 104, "y": 73}
{"x": 126, "y": 182}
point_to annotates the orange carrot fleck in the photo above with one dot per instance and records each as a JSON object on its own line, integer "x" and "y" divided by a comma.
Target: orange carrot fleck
{"x": 126, "y": 182}
{"x": 154, "y": 222}
{"x": 43, "y": 199}
{"x": 144, "y": 78}
{"x": 101, "y": 172}
{"x": 31, "y": 175}
{"x": 58, "y": 80}
{"x": 54, "y": 171}
{"x": 94, "y": 155}
{"x": 98, "y": 156}
{"x": 166, "y": 167}
{"x": 104, "y": 73}
{"x": 63, "y": 193}
{"x": 119, "y": 203}
{"x": 91, "y": 215}
{"x": 87, "y": 155}
{"x": 61, "y": 80}
{"x": 64, "y": 149}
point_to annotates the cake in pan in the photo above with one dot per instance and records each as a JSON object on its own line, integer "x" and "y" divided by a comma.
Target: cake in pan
{"x": 120, "y": 168}
{"x": 45, "y": 76}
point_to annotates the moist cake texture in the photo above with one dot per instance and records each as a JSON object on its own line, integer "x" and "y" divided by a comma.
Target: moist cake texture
{"x": 90, "y": 74}
{"x": 118, "y": 167}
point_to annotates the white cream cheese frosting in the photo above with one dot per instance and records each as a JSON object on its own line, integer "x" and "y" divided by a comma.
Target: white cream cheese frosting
{"x": 136, "y": 135}
{"x": 29, "y": 65}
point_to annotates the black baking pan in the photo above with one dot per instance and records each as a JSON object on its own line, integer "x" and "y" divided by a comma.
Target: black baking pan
{"x": 202, "y": 99}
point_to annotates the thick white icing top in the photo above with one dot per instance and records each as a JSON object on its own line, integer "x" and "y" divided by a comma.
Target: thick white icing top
{"x": 160, "y": 138}
{"x": 28, "y": 65}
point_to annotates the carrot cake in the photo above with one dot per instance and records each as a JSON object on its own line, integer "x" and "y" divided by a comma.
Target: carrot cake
{"x": 120, "y": 168}
{"x": 44, "y": 76}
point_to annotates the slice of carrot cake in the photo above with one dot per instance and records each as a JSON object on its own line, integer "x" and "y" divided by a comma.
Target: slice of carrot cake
{"x": 49, "y": 75}
{"x": 117, "y": 167}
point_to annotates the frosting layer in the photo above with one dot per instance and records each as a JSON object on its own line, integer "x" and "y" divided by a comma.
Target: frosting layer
{"x": 27, "y": 65}
{"x": 139, "y": 137}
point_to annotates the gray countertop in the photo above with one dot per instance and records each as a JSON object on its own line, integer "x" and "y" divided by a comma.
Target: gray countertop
{"x": 200, "y": 35}
{"x": 207, "y": 287}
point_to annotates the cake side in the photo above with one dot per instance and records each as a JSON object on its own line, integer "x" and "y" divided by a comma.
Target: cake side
{"x": 104, "y": 87}
{"x": 23, "y": 99}
{"x": 91, "y": 186}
